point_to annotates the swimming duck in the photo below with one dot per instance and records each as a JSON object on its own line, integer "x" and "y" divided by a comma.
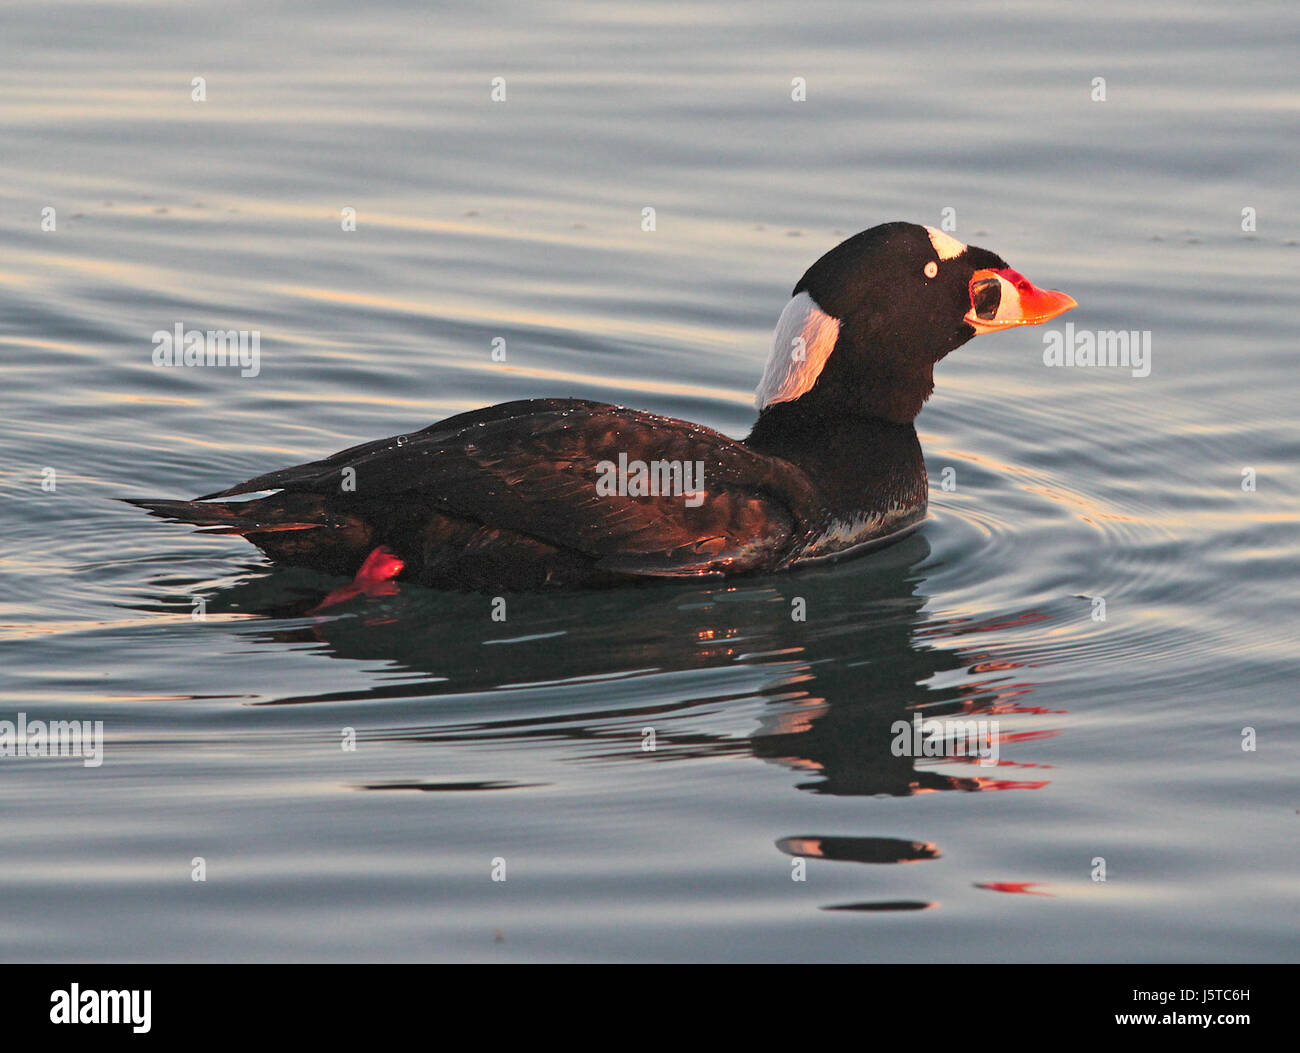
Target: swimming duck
{"x": 571, "y": 492}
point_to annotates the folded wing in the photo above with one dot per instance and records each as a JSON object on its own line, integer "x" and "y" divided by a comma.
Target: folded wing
{"x": 532, "y": 468}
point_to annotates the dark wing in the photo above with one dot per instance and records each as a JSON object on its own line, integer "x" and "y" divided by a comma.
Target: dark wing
{"x": 533, "y": 466}
{"x": 322, "y": 476}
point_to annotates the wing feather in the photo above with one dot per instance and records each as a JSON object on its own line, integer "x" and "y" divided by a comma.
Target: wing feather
{"x": 532, "y": 467}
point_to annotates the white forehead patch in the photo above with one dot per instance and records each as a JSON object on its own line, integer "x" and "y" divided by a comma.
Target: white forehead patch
{"x": 804, "y": 339}
{"x": 945, "y": 245}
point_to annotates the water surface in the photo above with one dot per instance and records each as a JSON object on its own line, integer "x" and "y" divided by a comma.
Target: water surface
{"x": 524, "y": 741}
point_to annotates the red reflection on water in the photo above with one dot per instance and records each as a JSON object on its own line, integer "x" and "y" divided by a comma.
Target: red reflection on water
{"x": 963, "y": 626}
{"x": 1026, "y": 887}
{"x": 1011, "y": 784}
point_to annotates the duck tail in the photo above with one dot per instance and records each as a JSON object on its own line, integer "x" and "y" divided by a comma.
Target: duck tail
{"x": 243, "y": 517}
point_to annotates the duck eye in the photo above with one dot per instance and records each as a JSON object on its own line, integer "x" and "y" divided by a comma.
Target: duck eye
{"x": 985, "y": 296}
{"x": 931, "y": 269}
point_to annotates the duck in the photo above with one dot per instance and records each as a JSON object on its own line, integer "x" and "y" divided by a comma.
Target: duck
{"x": 562, "y": 492}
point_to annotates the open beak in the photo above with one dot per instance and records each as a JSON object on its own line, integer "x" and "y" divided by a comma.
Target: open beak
{"x": 1002, "y": 298}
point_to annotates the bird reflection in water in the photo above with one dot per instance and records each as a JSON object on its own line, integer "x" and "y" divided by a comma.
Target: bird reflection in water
{"x": 832, "y": 687}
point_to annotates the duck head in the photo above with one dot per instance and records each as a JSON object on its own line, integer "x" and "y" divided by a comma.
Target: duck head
{"x": 869, "y": 320}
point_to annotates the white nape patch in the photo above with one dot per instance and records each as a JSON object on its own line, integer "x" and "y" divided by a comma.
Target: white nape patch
{"x": 804, "y": 339}
{"x": 945, "y": 245}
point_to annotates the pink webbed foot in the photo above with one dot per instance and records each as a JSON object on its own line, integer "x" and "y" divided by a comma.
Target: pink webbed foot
{"x": 373, "y": 579}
